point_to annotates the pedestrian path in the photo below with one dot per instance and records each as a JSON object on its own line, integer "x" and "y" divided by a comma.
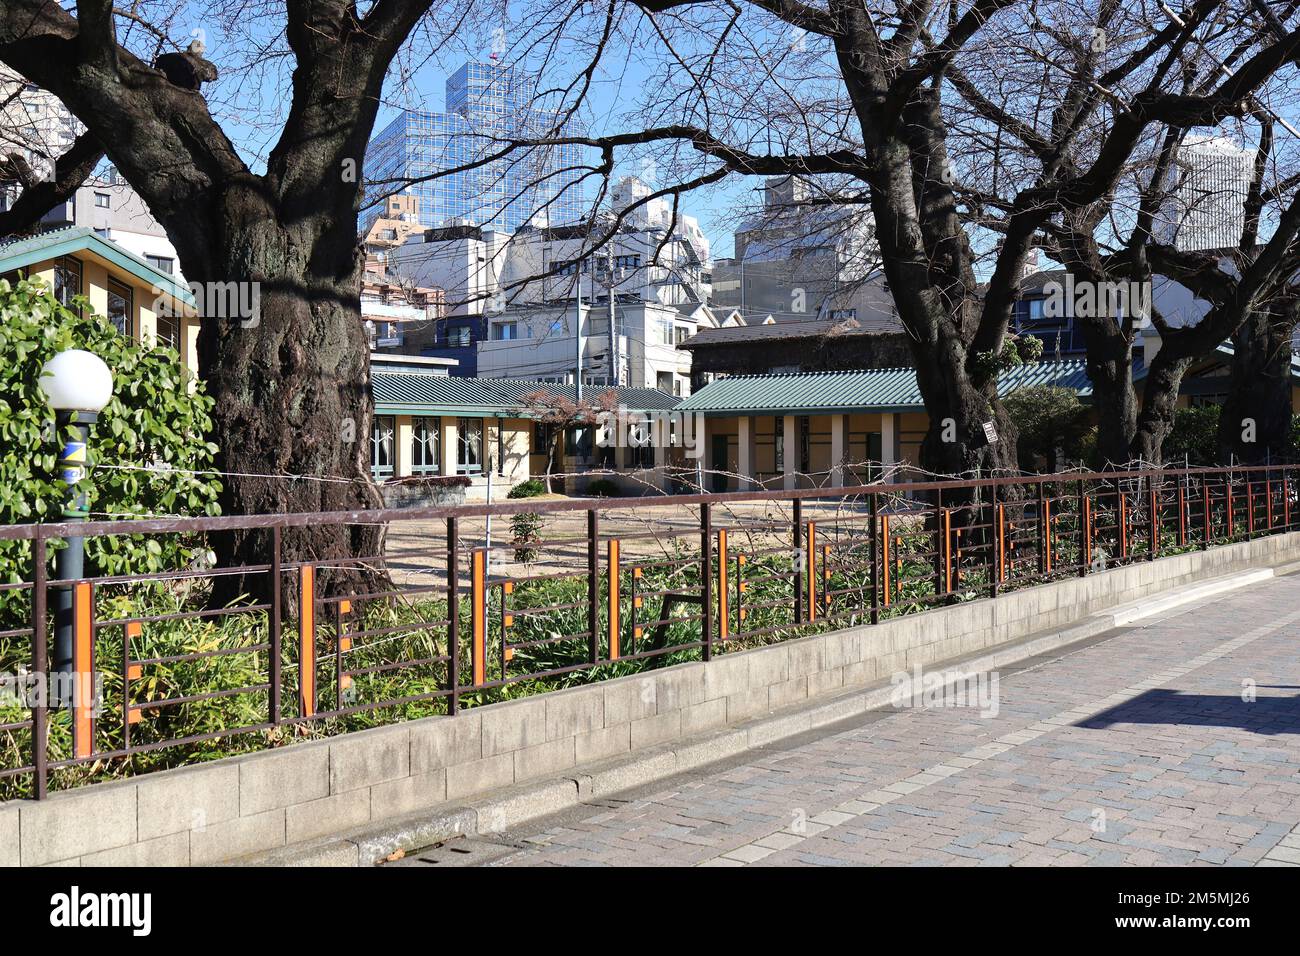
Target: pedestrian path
{"x": 1174, "y": 742}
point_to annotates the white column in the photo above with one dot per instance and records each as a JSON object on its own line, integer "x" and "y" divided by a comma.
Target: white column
{"x": 790, "y": 466}
{"x": 839, "y": 443}
{"x": 888, "y": 438}
{"x": 660, "y": 480}
{"x": 449, "y": 444}
{"x": 745, "y": 451}
{"x": 402, "y": 446}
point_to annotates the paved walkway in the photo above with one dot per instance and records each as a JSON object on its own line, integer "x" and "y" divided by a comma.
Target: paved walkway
{"x": 1142, "y": 748}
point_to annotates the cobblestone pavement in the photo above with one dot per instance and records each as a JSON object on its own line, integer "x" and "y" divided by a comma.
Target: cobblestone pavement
{"x": 1141, "y": 748}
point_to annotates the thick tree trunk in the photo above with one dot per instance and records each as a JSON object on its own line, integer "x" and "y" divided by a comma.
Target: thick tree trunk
{"x": 1159, "y": 403}
{"x": 294, "y": 389}
{"x": 1110, "y": 368}
{"x": 1255, "y": 426}
{"x": 955, "y": 444}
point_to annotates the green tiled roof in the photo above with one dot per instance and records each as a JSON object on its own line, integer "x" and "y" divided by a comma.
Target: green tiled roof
{"x": 409, "y": 392}
{"x": 885, "y": 389}
{"x": 20, "y": 253}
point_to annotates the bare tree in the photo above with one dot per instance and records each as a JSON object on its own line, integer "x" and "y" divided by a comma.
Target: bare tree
{"x": 908, "y": 110}
{"x": 559, "y": 414}
{"x": 288, "y": 382}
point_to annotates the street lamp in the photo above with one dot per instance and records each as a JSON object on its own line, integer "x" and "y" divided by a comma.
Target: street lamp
{"x": 78, "y": 385}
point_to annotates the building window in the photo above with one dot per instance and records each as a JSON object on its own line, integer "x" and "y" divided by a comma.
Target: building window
{"x": 162, "y": 263}
{"x": 505, "y": 330}
{"x": 119, "y": 308}
{"x": 627, "y": 262}
{"x": 578, "y": 443}
{"x": 469, "y": 446}
{"x": 67, "y": 279}
{"x": 459, "y": 337}
{"x": 169, "y": 330}
{"x": 381, "y": 447}
{"x": 839, "y": 315}
{"x": 102, "y": 200}
{"x": 426, "y": 444}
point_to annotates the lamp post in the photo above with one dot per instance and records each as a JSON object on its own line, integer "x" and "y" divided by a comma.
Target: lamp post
{"x": 78, "y": 385}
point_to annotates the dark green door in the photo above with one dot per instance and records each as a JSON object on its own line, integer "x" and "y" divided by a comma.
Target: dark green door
{"x": 719, "y": 463}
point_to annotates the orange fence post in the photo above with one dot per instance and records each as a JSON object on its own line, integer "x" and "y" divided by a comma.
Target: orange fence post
{"x": 885, "y": 563}
{"x": 307, "y": 640}
{"x": 1182, "y": 517}
{"x": 478, "y": 617}
{"x": 811, "y": 545}
{"x": 1153, "y": 506}
{"x": 1268, "y": 497}
{"x": 83, "y": 670}
{"x": 614, "y": 595}
{"x": 826, "y": 576}
{"x": 724, "y": 599}
{"x": 133, "y": 672}
{"x": 1002, "y": 543}
{"x": 1209, "y": 525}
{"x": 342, "y": 644}
{"x": 948, "y": 550}
{"x": 1087, "y": 531}
{"x": 1047, "y": 535}
{"x": 507, "y": 622}
{"x": 741, "y": 588}
{"x": 1123, "y": 525}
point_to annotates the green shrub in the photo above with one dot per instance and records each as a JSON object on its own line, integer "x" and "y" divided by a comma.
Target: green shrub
{"x": 531, "y": 488}
{"x": 525, "y": 529}
{"x": 1195, "y": 434}
{"x": 157, "y": 419}
{"x": 602, "y": 488}
{"x": 1051, "y": 424}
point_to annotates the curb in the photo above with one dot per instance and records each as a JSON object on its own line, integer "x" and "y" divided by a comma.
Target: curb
{"x": 522, "y": 803}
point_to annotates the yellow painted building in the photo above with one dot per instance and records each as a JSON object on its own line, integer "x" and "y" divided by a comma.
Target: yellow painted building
{"x": 144, "y": 303}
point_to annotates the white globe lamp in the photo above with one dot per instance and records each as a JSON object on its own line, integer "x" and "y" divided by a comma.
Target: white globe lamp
{"x": 77, "y": 381}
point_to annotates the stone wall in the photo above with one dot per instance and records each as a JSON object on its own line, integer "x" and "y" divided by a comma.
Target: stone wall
{"x": 223, "y": 810}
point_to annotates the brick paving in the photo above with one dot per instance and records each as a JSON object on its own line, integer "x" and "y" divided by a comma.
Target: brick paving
{"x": 1142, "y": 749}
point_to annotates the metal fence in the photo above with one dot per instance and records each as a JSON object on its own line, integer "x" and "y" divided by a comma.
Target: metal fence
{"x": 576, "y": 590}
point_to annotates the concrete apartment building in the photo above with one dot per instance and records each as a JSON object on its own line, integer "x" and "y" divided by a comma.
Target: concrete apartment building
{"x": 34, "y": 124}
{"x": 513, "y": 300}
{"x": 110, "y": 207}
{"x": 796, "y": 259}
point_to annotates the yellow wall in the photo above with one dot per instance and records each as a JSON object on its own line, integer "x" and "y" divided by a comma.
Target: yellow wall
{"x": 95, "y": 274}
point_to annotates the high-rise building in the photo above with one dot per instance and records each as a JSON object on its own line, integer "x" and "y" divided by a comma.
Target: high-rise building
{"x": 34, "y": 124}
{"x": 1206, "y": 202}
{"x": 486, "y": 104}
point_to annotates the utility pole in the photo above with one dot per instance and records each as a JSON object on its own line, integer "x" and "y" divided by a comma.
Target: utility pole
{"x": 615, "y": 359}
{"x": 577, "y": 335}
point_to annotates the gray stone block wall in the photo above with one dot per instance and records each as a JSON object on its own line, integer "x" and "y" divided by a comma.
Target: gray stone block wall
{"x": 226, "y": 809}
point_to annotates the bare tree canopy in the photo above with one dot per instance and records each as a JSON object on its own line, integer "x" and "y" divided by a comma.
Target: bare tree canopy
{"x": 972, "y": 132}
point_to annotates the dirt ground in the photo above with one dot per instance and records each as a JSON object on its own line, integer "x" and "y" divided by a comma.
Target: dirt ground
{"x": 416, "y": 550}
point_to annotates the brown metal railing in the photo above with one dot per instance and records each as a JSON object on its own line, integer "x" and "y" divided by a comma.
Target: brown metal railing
{"x": 607, "y": 588}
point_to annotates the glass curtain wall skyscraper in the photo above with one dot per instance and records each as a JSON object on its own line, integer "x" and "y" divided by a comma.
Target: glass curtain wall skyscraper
{"x": 485, "y": 104}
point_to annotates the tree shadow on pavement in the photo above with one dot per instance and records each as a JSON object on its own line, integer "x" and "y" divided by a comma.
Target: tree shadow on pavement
{"x": 1263, "y": 715}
